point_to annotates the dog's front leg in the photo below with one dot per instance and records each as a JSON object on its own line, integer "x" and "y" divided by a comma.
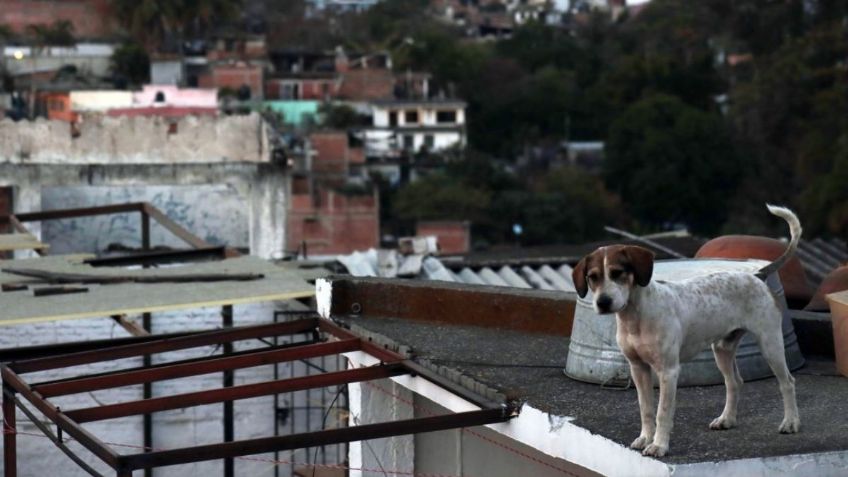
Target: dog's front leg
{"x": 641, "y": 374}
{"x": 665, "y": 414}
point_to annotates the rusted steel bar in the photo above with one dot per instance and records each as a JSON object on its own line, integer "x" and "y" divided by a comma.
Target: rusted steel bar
{"x": 170, "y": 344}
{"x": 159, "y": 258}
{"x": 16, "y": 223}
{"x": 534, "y": 311}
{"x": 130, "y": 326}
{"x": 55, "y": 440}
{"x": 383, "y": 354}
{"x": 174, "y": 227}
{"x": 228, "y": 381}
{"x": 80, "y": 212}
{"x": 60, "y": 277}
{"x": 318, "y": 438}
{"x": 189, "y": 361}
{"x": 40, "y": 351}
{"x": 194, "y": 368}
{"x": 445, "y": 383}
{"x": 246, "y": 391}
{"x": 67, "y": 425}
{"x": 10, "y": 446}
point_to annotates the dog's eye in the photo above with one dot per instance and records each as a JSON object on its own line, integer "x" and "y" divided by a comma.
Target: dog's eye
{"x": 616, "y": 274}
{"x": 593, "y": 277}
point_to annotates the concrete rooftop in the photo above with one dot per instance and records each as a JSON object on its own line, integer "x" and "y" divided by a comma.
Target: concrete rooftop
{"x": 529, "y": 367}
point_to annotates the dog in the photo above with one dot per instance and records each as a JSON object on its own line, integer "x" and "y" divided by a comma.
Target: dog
{"x": 661, "y": 324}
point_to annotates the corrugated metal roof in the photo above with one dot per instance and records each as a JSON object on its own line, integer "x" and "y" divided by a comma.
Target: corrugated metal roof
{"x": 545, "y": 276}
{"x": 819, "y": 256}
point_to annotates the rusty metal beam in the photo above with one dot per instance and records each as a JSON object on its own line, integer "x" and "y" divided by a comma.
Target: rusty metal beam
{"x": 534, "y": 311}
{"x": 40, "y": 351}
{"x": 312, "y": 439}
{"x": 246, "y": 391}
{"x": 130, "y": 326}
{"x": 174, "y": 227}
{"x": 10, "y": 449}
{"x": 383, "y": 354}
{"x": 73, "y": 429}
{"x": 80, "y": 212}
{"x": 195, "y": 368}
{"x": 170, "y": 344}
{"x": 160, "y": 257}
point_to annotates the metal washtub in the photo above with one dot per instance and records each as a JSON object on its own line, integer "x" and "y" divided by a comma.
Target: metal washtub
{"x": 594, "y": 356}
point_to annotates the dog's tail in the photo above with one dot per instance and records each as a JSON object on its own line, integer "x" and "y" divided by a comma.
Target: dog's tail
{"x": 795, "y": 232}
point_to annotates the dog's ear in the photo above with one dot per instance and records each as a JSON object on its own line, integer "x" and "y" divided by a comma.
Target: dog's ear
{"x": 642, "y": 261}
{"x": 578, "y": 276}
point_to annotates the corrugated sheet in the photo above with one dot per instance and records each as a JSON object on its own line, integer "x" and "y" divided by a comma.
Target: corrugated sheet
{"x": 820, "y": 256}
{"x": 545, "y": 276}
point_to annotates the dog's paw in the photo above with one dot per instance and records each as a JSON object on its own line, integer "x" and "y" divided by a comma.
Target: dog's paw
{"x": 790, "y": 425}
{"x": 722, "y": 422}
{"x": 655, "y": 450}
{"x": 640, "y": 442}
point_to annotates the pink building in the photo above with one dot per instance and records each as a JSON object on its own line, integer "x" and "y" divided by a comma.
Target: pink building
{"x": 169, "y": 95}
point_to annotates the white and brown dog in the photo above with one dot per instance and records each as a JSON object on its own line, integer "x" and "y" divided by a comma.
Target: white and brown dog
{"x": 661, "y": 324}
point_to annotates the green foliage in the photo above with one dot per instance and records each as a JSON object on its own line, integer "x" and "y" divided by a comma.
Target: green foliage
{"x": 673, "y": 164}
{"x": 130, "y": 63}
{"x": 58, "y": 33}
{"x": 440, "y": 196}
{"x": 339, "y": 116}
{"x": 151, "y": 21}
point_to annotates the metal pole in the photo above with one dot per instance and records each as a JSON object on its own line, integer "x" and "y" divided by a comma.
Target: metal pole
{"x": 147, "y": 324}
{"x": 10, "y": 450}
{"x": 229, "y": 467}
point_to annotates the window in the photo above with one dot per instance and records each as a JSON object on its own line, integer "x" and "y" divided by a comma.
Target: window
{"x": 445, "y": 117}
{"x": 393, "y": 119}
{"x": 412, "y": 117}
{"x": 408, "y": 142}
{"x": 429, "y": 142}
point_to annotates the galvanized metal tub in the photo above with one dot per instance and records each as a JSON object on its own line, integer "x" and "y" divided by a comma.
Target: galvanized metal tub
{"x": 594, "y": 356}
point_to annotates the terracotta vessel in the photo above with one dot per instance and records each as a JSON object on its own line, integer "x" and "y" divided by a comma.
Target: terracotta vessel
{"x": 792, "y": 275}
{"x": 835, "y": 281}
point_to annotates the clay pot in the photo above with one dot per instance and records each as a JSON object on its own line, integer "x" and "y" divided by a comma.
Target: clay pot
{"x": 792, "y": 276}
{"x": 835, "y": 281}
{"x": 839, "y": 318}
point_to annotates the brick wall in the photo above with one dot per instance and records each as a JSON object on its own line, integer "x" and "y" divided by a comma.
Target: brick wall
{"x": 91, "y": 18}
{"x": 454, "y": 236}
{"x": 333, "y": 223}
{"x": 234, "y": 76}
{"x": 367, "y": 85}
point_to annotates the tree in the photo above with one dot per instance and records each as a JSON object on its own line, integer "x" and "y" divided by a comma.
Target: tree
{"x": 130, "y": 64}
{"x": 672, "y": 164}
{"x": 153, "y": 22}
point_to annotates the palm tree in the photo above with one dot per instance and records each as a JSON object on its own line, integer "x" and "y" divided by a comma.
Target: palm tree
{"x": 151, "y": 22}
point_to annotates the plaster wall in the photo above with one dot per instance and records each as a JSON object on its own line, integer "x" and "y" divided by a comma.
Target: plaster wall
{"x": 136, "y": 140}
{"x": 258, "y": 190}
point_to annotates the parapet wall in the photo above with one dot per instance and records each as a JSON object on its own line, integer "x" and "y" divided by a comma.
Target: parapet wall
{"x": 135, "y": 140}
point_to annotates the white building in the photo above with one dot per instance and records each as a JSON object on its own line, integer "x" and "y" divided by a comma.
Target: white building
{"x": 415, "y": 126}
{"x": 89, "y": 58}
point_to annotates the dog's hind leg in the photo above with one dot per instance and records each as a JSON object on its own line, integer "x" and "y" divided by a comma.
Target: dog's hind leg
{"x": 725, "y": 356}
{"x": 771, "y": 345}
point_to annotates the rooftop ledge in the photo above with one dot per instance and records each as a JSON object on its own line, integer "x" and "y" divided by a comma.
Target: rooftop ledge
{"x": 513, "y": 344}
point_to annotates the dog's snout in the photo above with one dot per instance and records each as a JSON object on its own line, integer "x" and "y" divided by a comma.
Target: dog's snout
{"x": 604, "y": 303}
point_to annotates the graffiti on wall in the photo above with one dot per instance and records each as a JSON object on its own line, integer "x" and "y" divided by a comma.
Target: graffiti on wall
{"x": 216, "y": 213}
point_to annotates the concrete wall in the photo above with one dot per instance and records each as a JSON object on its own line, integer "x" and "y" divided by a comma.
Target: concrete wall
{"x": 217, "y": 213}
{"x": 136, "y": 140}
{"x": 259, "y": 190}
{"x": 100, "y": 100}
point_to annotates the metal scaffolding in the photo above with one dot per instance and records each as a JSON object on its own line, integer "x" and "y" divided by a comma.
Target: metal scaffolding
{"x": 322, "y": 338}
